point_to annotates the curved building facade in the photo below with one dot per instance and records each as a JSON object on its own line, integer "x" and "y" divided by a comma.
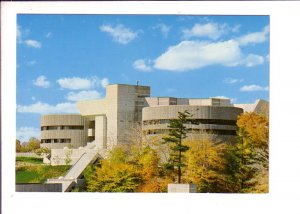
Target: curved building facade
{"x": 63, "y": 130}
{"x": 212, "y": 120}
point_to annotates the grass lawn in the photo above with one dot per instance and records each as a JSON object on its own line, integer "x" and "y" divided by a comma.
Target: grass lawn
{"x": 39, "y": 173}
{"x": 29, "y": 160}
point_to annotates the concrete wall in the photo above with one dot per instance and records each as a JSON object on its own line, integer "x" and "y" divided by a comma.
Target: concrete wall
{"x": 39, "y": 187}
{"x": 201, "y": 112}
{"x": 101, "y": 131}
{"x": 220, "y": 120}
{"x": 260, "y": 107}
{"x": 78, "y": 137}
{"x": 131, "y": 101}
{"x": 28, "y": 154}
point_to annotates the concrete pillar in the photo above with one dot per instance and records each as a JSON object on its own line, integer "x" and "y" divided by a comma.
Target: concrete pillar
{"x": 182, "y": 188}
{"x": 101, "y": 131}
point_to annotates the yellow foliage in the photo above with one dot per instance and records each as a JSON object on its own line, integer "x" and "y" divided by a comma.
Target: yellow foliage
{"x": 254, "y": 127}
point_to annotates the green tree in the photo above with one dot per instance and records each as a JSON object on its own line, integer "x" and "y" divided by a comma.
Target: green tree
{"x": 33, "y": 144}
{"x": 177, "y": 134}
{"x": 248, "y": 159}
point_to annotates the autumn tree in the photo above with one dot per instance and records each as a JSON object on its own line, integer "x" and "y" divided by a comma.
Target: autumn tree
{"x": 177, "y": 133}
{"x": 248, "y": 159}
{"x": 206, "y": 166}
{"x": 114, "y": 174}
{"x": 18, "y": 146}
{"x": 32, "y": 144}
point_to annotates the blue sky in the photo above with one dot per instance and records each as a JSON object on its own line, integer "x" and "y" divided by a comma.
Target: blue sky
{"x": 65, "y": 58}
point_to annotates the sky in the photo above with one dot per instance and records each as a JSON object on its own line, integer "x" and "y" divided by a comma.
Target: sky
{"x": 62, "y": 59}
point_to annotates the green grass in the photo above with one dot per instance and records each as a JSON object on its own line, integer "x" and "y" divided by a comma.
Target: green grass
{"x": 39, "y": 174}
{"x": 29, "y": 160}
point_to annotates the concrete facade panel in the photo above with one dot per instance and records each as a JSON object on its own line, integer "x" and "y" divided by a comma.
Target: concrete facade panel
{"x": 198, "y": 112}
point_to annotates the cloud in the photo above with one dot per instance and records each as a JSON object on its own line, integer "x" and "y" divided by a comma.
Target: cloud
{"x": 49, "y": 35}
{"x": 19, "y": 34}
{"x": 104, "y": 82}
{"x": 45, "y": 108}
{"x": 23, "y": 33}
{"x": 140, "y": 64}
{"x": 25, "y": 133}
{"x": 253, "y": 38}
{"x": 41, "y": 81}
{"x": 32, "y": 62}
{"x": 83, "y": 95}
{"x": 33, "y": 43}
{"x": 254, "y": 88}
{"x": 119, "y": 33}
{"x": 189, "y": 55}
{"x": 77, "y": 83}
{"x": 211, "y": 30}
{"x": 232, "y": 80}
{"x": 252, "y": 60}
{"x": 164, "y": 29}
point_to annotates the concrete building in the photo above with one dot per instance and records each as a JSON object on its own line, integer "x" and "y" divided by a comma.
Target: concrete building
{"x": 105, "y": 122}
{"x": 109, "y": 121}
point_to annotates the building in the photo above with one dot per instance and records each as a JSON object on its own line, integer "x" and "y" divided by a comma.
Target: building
{"x": 109, "y": 121}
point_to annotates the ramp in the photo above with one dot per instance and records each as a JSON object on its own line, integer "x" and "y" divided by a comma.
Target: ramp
{"x": 70, "y": 178}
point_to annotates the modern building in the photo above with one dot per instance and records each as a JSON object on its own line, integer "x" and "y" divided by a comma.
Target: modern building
{"x": 109, "y": 121}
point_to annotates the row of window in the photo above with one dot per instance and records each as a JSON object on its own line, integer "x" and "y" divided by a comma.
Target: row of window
{"x": 62, "y": 128}
{"x": 56, "y": 141}
{"x": 193, "y": 121}
{"x": 194, "y": 131}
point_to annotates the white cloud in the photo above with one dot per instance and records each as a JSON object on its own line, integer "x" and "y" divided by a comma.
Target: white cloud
{"x": 189, "y": 55}
{"x": 77, "y": 83}
{"x": 211, "y": 30}
{"x": 104, "y": 82}
{"x": 33, "y": 98}
{"x": 83, "y": 95}
{"x": 140, "y": 64}
{"x": 257, "y": 37}
{"x": 33, "y": 43}
{"x": 45, "y": 108}
{"x": 119, "y": 33}
{"x": 49, "y": 35}
{"x": 32, "y": 62}
{"x": 232, "y": 80}
{"x": 19, "y": 34}
{"x": 254, "y": 88}
{"x": 252, "y": 60}
{"x": 164, "y": 29}
{"x": 25, "y": 133}
{"x": 41, "y": 81}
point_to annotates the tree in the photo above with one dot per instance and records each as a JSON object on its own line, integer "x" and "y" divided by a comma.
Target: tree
{"x": 206, "y": 166}
{"x": 115, "y": 174}
{"x": 18, "y": 146}
{"x": 248, "y": 159}
{"x": 33, "y": 144}
{"x": 175, "y": 140}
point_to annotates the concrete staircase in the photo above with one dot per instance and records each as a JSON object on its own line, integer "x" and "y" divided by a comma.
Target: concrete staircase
{"x": 74, "y": 173}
